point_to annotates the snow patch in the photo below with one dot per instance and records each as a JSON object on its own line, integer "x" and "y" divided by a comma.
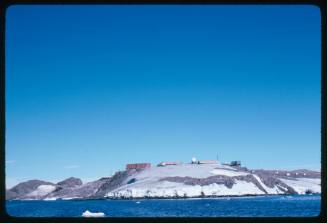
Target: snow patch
{"x": 42, "y": 190}
{"x": 182, "y": 170}
{"x": 50, "y": 199}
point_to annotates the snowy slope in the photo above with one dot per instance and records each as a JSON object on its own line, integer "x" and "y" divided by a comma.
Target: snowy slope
{"x": 301, "y": 185}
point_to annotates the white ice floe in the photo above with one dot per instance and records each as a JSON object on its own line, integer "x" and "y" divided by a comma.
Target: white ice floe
{"x": 42, "y": 190}
{"x": 301, "y": 185}
{"x": 50, "y": 199}
{"x": 92, "y": 214}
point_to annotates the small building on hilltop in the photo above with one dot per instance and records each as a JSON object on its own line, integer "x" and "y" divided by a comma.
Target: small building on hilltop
{"x": 138, "y": 166}
{"x": 194, "y": 161}
{"x": 168, "y": 163}
{"x": 235, "y": 163}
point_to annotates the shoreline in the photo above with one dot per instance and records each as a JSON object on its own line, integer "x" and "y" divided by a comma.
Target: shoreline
{"x": 173, "y": 198}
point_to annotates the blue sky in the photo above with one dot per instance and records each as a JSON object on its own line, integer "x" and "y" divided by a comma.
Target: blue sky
{"x": 91, "y": 88}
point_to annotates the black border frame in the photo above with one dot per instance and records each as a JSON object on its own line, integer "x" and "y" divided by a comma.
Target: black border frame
{"x": 5, "y": 217}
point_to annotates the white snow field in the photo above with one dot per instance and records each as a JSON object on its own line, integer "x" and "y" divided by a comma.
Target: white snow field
{"x": 183, "y": 170}
{"x": 229, "y": 173}
{"x": 301, "y": 185}
{"x": 169, "y": 190}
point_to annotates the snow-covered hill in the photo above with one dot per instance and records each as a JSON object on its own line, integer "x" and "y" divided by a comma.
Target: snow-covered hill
{"x": 184, "y": 180}
{"x": 192, "y": 180}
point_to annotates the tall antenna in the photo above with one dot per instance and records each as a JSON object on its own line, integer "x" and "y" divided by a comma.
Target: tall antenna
{"x": 217, "y": 157}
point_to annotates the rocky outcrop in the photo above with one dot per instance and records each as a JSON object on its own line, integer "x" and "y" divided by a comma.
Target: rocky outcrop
{"x": 84, "y": 191}
{"x": 116, "y": 181}
{"x": 70, "y": 182}
{"x": 24, "y": 190}
{"x": 230, "y": 181}
{"x": 11, "y": 195}
{"x": 71, "y": 188}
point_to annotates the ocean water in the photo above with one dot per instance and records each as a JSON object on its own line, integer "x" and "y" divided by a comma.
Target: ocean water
{"x": 263, "y": 206}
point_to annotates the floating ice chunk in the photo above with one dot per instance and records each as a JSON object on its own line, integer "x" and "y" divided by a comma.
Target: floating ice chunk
{"x": 70, "y": 198}
{"x": 87, "y": 214}
{"x": 50, "y": 199}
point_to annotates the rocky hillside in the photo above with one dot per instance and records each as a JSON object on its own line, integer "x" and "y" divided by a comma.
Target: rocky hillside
{"x": 185, "y": 180}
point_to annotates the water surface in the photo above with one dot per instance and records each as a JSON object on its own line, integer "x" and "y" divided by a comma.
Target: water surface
{"x": 263, "y": 206}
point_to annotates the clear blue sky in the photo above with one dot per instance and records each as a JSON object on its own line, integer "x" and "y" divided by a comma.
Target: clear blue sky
{"x": 91, "y": 88}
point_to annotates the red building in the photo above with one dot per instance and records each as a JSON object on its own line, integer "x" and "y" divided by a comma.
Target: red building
{"x": 138, "y": 166}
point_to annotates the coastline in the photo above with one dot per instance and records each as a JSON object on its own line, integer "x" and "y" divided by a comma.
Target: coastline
{"x": 172, "y": 198}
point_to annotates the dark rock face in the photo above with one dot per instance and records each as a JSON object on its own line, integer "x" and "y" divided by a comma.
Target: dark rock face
{"x": 116, "y": 181}
{"x": 69, "y": 188}
{"x": 219, "y": 179}
{"x": 10, "y": 195}
{"x": 133, "y": 180}
{"x": 271, "y": 181}
{"x": 70, "y": 182}
{"x": 22, "y": 189}
{"x": 288, "y": 174}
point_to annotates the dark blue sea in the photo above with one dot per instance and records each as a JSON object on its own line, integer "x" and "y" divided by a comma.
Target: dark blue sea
{"x": 267, "y": 206}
